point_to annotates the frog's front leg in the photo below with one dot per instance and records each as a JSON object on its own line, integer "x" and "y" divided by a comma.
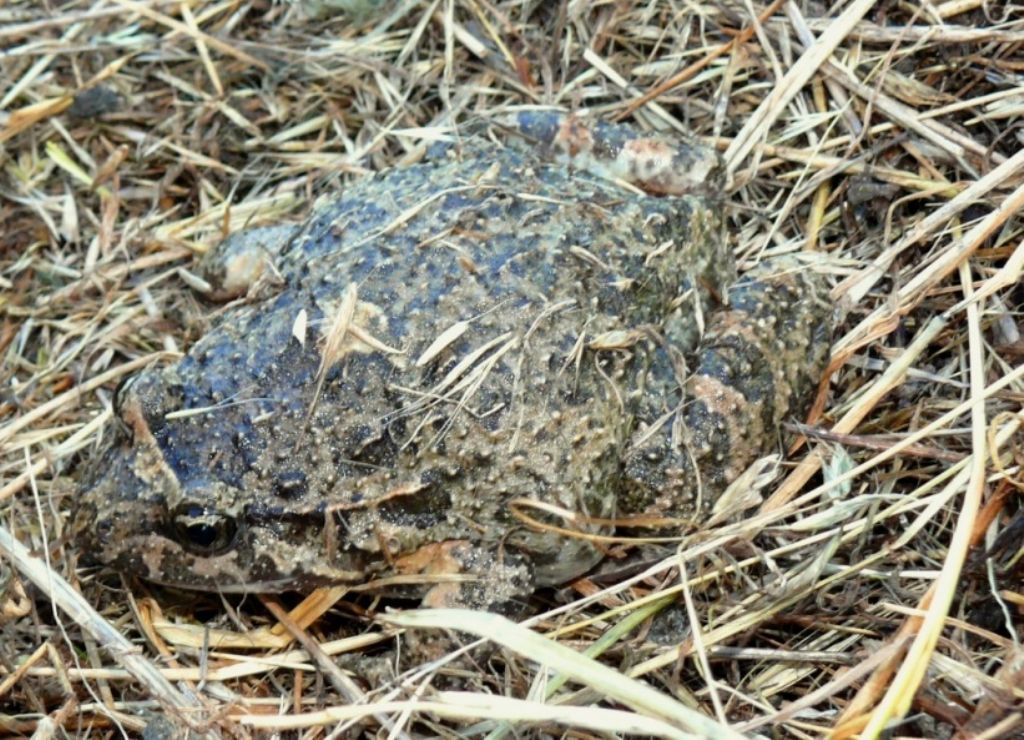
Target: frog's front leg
{"x": 486, "y": 576}
{"x": 758, "y": 364}
{"x": 475, "y": 575}
{"x": 243, "y": 260}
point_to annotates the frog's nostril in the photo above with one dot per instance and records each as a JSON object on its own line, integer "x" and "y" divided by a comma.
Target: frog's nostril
{"x": 143, "y": 400}
{"x": 290, "y": 484}
{"x": 203, "y": 530}
{"x": 104, "y": 527}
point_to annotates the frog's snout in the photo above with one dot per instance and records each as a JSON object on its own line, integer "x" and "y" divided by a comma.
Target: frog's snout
{"x": 86, "y": 533}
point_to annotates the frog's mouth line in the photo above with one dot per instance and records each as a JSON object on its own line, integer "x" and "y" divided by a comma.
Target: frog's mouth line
{"x": 245, "y": 569}
{"x": 277, "y": 585}
{"x": 222, "y": 574}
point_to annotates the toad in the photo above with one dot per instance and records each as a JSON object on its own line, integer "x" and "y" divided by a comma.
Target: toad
{"x": 455, "y": 376}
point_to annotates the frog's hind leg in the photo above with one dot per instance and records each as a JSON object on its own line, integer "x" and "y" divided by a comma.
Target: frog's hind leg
{"x": 659, "y": 165}
{"x": 758, "y": 364}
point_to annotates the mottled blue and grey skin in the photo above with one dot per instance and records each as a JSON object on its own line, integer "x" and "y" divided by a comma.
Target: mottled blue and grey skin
{"x": 531, "y": 321}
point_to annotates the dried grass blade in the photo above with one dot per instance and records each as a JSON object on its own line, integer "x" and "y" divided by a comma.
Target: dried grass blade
{"x": 900, "y": 695}
{"x": 330, "y": 351}
{"x": 184, "y": 706}
{"x": 756, "y": 128}
{"x": 165, "y": 20}
{"x": 891, "y": 378}
{"x": 555, "y": 656}
{"x": 926, "y": 278}
{"x": 70, "y": 396}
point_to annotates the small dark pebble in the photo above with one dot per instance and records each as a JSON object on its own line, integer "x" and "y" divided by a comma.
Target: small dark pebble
{"x": 94, "y": 102}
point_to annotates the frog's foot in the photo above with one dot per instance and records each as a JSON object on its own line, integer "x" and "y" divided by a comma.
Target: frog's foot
{"x": 243, "y": 261}
{"x": 489, "y": 577}
{"x": 759, "y": 363}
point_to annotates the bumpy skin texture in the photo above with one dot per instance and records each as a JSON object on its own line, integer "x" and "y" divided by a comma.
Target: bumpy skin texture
{"x": 505, "y": 326}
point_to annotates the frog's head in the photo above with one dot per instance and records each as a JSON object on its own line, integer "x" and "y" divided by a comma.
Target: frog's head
{"x": 168, "y": 501}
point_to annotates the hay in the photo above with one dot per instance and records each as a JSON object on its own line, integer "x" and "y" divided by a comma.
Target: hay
{"x": 876, "y": 584}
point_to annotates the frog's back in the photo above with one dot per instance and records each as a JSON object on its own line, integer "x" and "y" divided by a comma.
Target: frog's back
{"x": 427, "y": 362}
{"x": 510, "y": 223}
{"x": 489, "y": 269}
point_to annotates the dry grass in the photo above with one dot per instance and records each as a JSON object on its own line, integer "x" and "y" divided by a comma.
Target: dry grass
{"x": 887, "y": 135}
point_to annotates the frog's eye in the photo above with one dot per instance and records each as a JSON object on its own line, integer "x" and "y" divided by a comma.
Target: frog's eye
{"x": 202, "y": 530}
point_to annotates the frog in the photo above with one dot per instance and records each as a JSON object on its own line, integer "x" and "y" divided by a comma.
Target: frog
{"x": 456, "y": 378}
